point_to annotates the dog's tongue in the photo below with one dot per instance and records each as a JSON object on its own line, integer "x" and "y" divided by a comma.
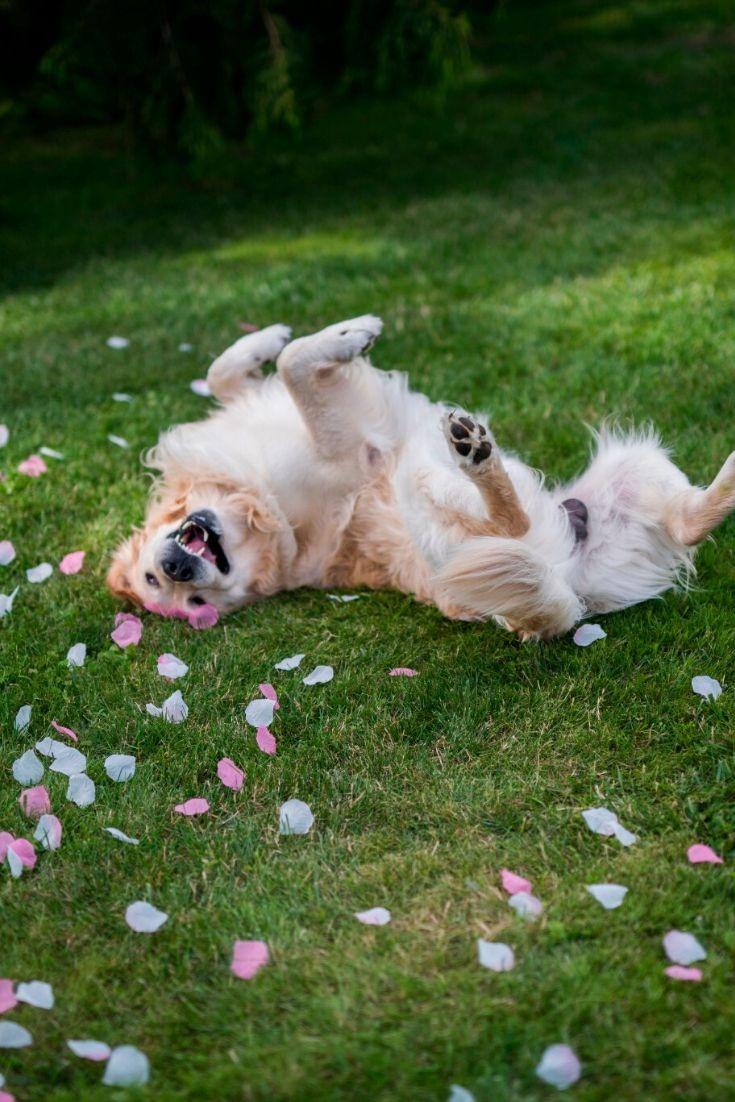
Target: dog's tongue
{"x": 196, "y": 545}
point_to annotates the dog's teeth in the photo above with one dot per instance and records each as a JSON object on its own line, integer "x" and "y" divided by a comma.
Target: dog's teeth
{"x": 205, "y": 534}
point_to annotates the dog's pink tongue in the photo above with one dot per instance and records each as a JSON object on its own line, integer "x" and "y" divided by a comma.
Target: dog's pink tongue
{"x": 196, "y": 544}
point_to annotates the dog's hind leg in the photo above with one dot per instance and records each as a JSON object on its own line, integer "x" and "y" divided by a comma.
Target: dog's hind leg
{"x": 241, "y": 364}
{"x": 694, "y": 513}
{"x": 316, "y": 371}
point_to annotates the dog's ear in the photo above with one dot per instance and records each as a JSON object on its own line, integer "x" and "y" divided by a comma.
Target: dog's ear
{"x": 168, "y": 507}
{"x": 120, "y": 574}
{"x": 255, "y": 513}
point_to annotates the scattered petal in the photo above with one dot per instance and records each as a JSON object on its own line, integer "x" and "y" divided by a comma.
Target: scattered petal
{"x": 153, "y": 710}
{"x": 76, "y": 656}
{"x": 587, "y": 634}
{"x": 117, "y": 342}
{"x": 559, "y": 1067}
{"x": 40, "y": 573}
{"x": 28, "y": 768}
{"x": 175, "y": 709}
{"x": 35, "y": 802}
{"x": 495, "y": 955}
{"x": 624, "y": 836}
{"x": 609, "y": 895}
{"x": 65, "y": 731}
{"x": 707, "y": 686}
{"x": 21, "y": 855}
{"x": 683, "y": 948}
{"x": 23, "y": 717}
{"x": 118, "y": 441}
{"x": 526, "y": 905}
{"x": 6, "y": 602}
{"x": 127, "y": 1067}
{"x": 7, "y": 552}
{"x": 230, "y": 775}
{"x": 171, "y": 667}
{"x": 128, "y": 629}
{"x": 344, "y": 598}
{"x": 678, "y": 972}
{"x": 248, "y": 327}
{"x": 200, "y": 387}
{"x": 144, "y": 918}
{"x": 320, "y": 675}
{"x": 699, "y": 854}
{"x": 80, "y": 790}
{"x": 259, "y": 713}
{"x": 48, "y": 832}
{"x": 203, "y": 617}
{"x": 265, "y": 741}
{"x": 290, "y": 663}
{"x": 13, "y": 1035}
{"x": 33, "y": 466}
{"x": 51, "y": 747}
{"x": 118, "y": 834}
{"x": 513, "y": 883}
{"x": 248, "y": 957}
{"x": 460, "y": 1094}
{"x": 195, "y": 806}
{"x": 600, "y": 820}
{"x": 120, "y": 767}
{"x": 4, "y": 435}
{"x": 5, "y": 839}
{"x": 270, "y": 693}
{"x": 72, "y": 563}
{"x": 121, "y": 396}
{"x": 295, "y": 817}
{"x": 70, "y": 762}
{"x": 36, "y": 993}
{"x": 7, "y": 996}
{"x": 376, "y": 916}
{"x": 403, "y": 671}
{"x": 185, "y": 347}
{"x": 90, "y": 1050}
{"x": 51, "y": 453}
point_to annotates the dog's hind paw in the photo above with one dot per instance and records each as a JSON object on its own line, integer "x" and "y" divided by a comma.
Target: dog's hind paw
{"x": 338, "y": 343}
{"x": 468, "y": 439}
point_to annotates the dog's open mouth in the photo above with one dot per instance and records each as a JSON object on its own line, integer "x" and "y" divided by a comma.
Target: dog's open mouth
{"x": 200, "y": 535}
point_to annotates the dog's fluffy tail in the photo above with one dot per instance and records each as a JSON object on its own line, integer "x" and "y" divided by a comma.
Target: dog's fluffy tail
{"x": 506, "y": 579}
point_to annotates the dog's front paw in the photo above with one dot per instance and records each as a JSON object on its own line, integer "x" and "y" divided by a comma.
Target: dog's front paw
{"x": 336, "y": 344}
{"x": 468, "y": 439}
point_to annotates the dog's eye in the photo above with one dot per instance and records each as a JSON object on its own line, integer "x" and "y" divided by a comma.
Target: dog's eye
{"x": 152, "y": 580}
{"x": 197, "y": 601}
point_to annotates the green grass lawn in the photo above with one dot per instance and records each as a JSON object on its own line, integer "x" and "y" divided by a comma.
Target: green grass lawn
{"x": 555, "y": 245}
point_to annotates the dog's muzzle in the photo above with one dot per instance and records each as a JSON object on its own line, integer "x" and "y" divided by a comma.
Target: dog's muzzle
{"x": 198, "y": 540}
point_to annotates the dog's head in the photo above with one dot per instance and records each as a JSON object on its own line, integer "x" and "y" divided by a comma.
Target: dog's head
{"x": 210, "y": 544}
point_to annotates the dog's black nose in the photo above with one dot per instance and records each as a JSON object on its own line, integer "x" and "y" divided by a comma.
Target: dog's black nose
{"x": 177, "y": 567}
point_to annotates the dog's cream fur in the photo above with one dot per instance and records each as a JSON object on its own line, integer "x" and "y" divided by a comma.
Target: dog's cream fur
{"x": 331, "y": 473}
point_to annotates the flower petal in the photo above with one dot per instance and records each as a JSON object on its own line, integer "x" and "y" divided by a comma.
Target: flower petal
{"x": 403, "y": 671}
{"x": 699, "y": 854}
{"x": 203, "y": 617}
{"x": 513, "y": 883}
{"x": 195, "y": 806}
{"x": 526, "y": 905}
{"x": 90, "y": 1050}
{"x": 117, "y": 342}
{"x": 35, "y": 802}
{"x": 36, "y": 993}
{"x": 559, "y": 1066}
{"x": 259, "y": 713}
{"x": 683, "y": 948}
{"x": 28, "y": 768}
{"x": 265, "y": 741}
{"x": 80, "y": 790}
{"x": 23, "y": 717}
{"x": 7, "y": 552}
{"x": 600, "y": 820}
{"x": 460, "y": 1094}
{"x": 48, "y": 832}
{"x": 70, "y": 762}
{"x": 118, "y": 834}
{"x": 200, "y": 387}
{"x": 376, "y": 916}
{"x": 120, "y": 767}
{"x": 587, "y": 634}
{"x": 118, "y": 441}
{"x": 72, "y": 563}
{"x": 495, "y": 955}
{"x": 290, "y": 663}
{"x": 64, "y": 731}
{"x": 320, "y": 675}
{"x": 121, "y": 396}
{"x": 23, "y": 851}
{"x": 678, "y": 972}
{"x": 6, "y": 602}
{"x": 144, "y": 918}
{"x": 706, "y": 686}
{"x": 76, "y": 655}
{"x": 270, "y": 693}
{"x": 248, "y": 957}
{"x": 33, "y": 466}
{"x": 13, "y": 1035}
{"x": 175, "y": 709}
{"x": 4, "y": 435}
{"x": 51, "y": 453}
{"x": 40, "y": 573}
{"x": 127, "y": 1067}
{"x": 295, "y": 817}
{"x": 7, "y": 996}
{"x": 230, "y": 775}
{"x": 609, "y": 895}
{"x": 128, "y": 631}
{"x": 171, "y": 667}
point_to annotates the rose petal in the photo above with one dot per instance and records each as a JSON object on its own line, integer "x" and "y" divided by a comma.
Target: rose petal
{"x": 7, "y": 996}
{"x": 70, "y": 762}
{"x": 320, "y": 675}
{"x": 48, "y": 832}
{"x": 587, "y": 634}
{"x": 6, "y": 602}
{"x": 677, "y": 972}
{"x": 609, "y": 895}
{"x": 200, "y": 387}
{"x": 460, "y": 1094}
{"x": 7, "y": 552}
{"x": 33, "y": 466}
{"x": 376, "y": 916}
{"x": 600, "y": 820}
{"x": 51, "y": 747}
{"x": 259, "y": 713}
{"x": 513, "y": 883}
{"x": 559, "y": 1067}
{"x": 127, "y": 1067}
{"x": 229, "y": 774}
{"x": 526, "y": 905}
{"x": 127, "y": 632}
{"x": 72, "y": 563}
{"x": 76, "y": 655}
{"x": 118, "y": 834}
{"x": 203, "y": 617}
{"x": 4, "y": 435}
{"x": 35, "y": 802}
{"x": 117, "y": 342}
{"x": 23, "y": 851}
{"x": 265, "y": 741}
{"x": 403, "y": 671}
{"x": 38, "y": 574}
{"x": 248, "y": 957}
{"x": 80, "y": 790}
{"x": 13, "y": 1035}
{"x": 28, "y": 768}
{"x": 343, "y": 598}
{"x": 120, "y": 767}
{"x": 64, "y": 731}
{"x": 295, "y": 817}
{"x": 290, "y": 663}
{"x": 171, "y": 667}
{"x": 699, "y": 854}
{"x": 90, "y": 1050}
{"x": 270, "y": 693}
{"x": 707, "y": 686}
{"x": 51, "y": 453}
{"x": 495, "y": 955}
{"x": 121, "y": 396}
{"x": 36, "y": 993}
{"x": 5, "y": 839}
{"x": 186, "y": 347}
{"x": 683, "y": 948}
{"x": 195, "y": 806}
{"x": 144, "y": 918}
{"x": 624, "y": 836}
{"x": 23, "y": 717}
{"x": 118, "y": 441}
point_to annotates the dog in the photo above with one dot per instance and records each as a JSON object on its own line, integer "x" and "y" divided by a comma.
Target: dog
{"x": 331, "y": 473}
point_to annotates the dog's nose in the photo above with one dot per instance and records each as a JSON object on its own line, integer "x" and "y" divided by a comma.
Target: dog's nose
{"x": 178, "y": 569}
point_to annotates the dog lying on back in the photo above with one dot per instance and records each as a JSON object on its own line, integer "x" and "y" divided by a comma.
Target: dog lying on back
{"x": 330, "y": 473}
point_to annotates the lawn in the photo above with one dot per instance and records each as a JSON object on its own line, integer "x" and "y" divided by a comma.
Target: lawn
{"x": 554, "y": 244}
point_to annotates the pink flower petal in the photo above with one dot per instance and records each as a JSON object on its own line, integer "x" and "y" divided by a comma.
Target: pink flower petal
{"x": 230, "y": 775}
{"x": 171, "y": 667}
{"x": 678, "y": 972}
{"x": 248, "y": 327}
{"x": 195, "y": 806}
{"x": 205, "y": 616}
{"x": 33, "y": 466}
{"x": 72, "y": 563}
{"x": 699, "y": 854}
{"x": 513, "y": 883}
{"x": 7, "y": 996}
{"x": 5, "y": 839}
{"x": 6, "y": 1097}
{"x": 270, "y": 693}
{"x": 403, "y": 671}
{"x": 248, "y": 957}
{"x": 64, "y": 730}
{"x": 35, "y": 801}
{"x": 265, "y": 741}
{"x": 23, "y": 849}
{"x": 7, "y": 552}
{"x": 128, "y": 630}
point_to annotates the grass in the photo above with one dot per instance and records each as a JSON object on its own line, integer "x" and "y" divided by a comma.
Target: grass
{"x": 555, "y": 246}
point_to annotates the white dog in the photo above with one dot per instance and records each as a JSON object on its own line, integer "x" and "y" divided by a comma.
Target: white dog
{"x": 331, "y": 473}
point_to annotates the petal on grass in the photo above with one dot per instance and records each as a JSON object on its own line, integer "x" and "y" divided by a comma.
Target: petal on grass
{"x": 403, "y": 671}
{"x": 118, "y": 834}
{"x": 127, "y": 631}
{"x": 683, "y": 948}
{"x": 6, "y": 602}
{"x": 708, "y": 687}
{"x": 609, "y": 895}
{"x": 248, "y": 957}
{"x": 195, "y": 806}
{"x": 21, "y": 855}
{"x": 513, "y": 883}
{"x": 80, "y": 790}
{"x": 28, "y": 768}
{"x": 290, "y": 663}
{"x": 259, "y": 713}
{"x": 13, "y": 1035}
{"x": 200, "y": 387}
{"x": 7, "y": 552}
{"x": 65, "y": 731}
{"x": 4, "y": 435}
{"x": 36, "y": 993}
{"x": 121, "y": 396}
{"x": 90, "y": 1050}
{"x": 171, "y": 667}
{"x": 35, "y": 802}
{"x": 376, "y": 916}
{"x": 230, "y": 775}
{"x": 5, "y": 839}
{"x": 295, "y": 817}
{"x": 117, "y": 342}
{"x": 33, "y": 466}
{"x": 7, "y": 996}
{"x": 120, "y": 767}
{"x": 320, "y": 675}
{"x": 460, "y": 1094}
{"x": 526, "y": 905}
{"x": 559, "y": 1066}
{"x": 50, "y": 453}
{"x": 38, "y": 574}
{"x": 270, "y": 693}
{"x": 495, "y": 955}
{"x": 72, "y": 563}
{"x": 587, "y": 634}
{"x": 265, "y": 741}
{"x": 23, "y": 717}
{"x": 118, "y": 441}
{"x": 203, "y": 617}
{"x": 699, "y": 854}
{"x": 144, "y": 918}
{"x": 51, "y": 747}
{"x": 48, "y": 832}
{"x": 127, "y": 1067}
{"x": 678, "y": 972}
{"x": 600, "y": 820}
{"x": 70, "y": 762}
{"x": 76, "y": 656}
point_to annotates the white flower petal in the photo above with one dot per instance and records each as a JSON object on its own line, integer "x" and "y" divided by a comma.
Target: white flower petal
{"x": 600, "y": 820}
{"x": 144, "y": 918}
{"x": 119, "y": 441}
{"x": 295, "y": 817}
{"x": 76, "y": 655}
{"x": 90, "y": 1050}
{"x": 23, "y": 717}
{"x": 120, "y": 767}
{"x": 7, "y": 552}
{"x": 526, "y": 905}
{"x": 559, "y": 1067}
{"x": 259, "y": 713}
{"x": 127, "y": 1067}
{"x": 587, "y": 634}
{"x": 174, "y": 708}
{"x": 153, "y": 710}
{"x": 70, "y": 762}
{"x": 121, "y": 837}
{"x": 609, "y": 895}
{"x": 48, "y": 832}
{"x": 36, "y": 993}
{"x": 683, "y": 948}
{"x": 343, "y": 598}
{"x": 121, "y": 396}
{"x": 4, "y": 435}
{"x": 460, "y": 1094}
{"x": 185, "y": 347}
{"x": 117, "y": 342}
{"x": 15, "y": 864}
{"x": 80, "y": 790}
{"x": 13, "y": 1035}
{"x": 200, "y": 387}
{"x": 376, "y": 916}
{"x": 495, "y": 955}
{"x": 39, "y": 573}
{"x": 6, "y": 602}
{"x": 319, "y": 676}
{"x": 28, "y": 768}
{"x": 707, "y": 686}
{"x": 624, "y": 836}
{"x": 171, "y": 667}
{"x": 51, "y": 747}
{"x": 290, "y": 663}
{"x": 51, "y": 453}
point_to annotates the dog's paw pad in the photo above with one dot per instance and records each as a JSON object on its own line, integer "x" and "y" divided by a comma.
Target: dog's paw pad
{"x": 468, "y": 438}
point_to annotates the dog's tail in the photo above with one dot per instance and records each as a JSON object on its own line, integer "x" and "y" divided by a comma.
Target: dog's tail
{"x": 506, "y": 579}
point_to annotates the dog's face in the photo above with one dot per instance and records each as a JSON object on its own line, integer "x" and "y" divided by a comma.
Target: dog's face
{"x": 204, "y": 547}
